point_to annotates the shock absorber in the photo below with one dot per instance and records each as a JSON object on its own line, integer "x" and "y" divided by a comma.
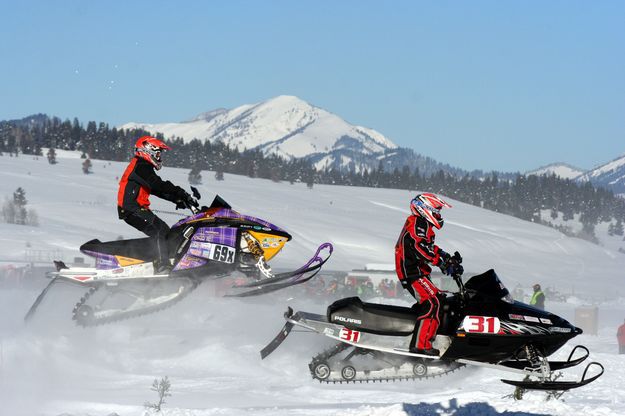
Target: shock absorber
{"x": 532, "y": 355}
{"x": 257, "y": 251}
{"x": 253, "y": 246}
{"x": 538, "y": 361}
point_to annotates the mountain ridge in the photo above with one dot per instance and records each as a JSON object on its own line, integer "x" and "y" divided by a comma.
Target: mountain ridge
{"x": 609, "y": 175}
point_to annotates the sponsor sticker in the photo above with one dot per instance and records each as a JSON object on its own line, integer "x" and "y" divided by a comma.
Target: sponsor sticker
{"x": 531, "y": 318}
{"x": 271, "y": 242}
{"x": 559, "y": 329}
{"x": 545, "y": 321}
{"x": 328, "y": 331}
{"x": 516, "y": 317}
{"x": 348, "y": 320}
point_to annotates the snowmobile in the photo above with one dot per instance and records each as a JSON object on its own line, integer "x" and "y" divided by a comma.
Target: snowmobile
{"x": 481, "y": 325}
{"x": 213, "y": 242}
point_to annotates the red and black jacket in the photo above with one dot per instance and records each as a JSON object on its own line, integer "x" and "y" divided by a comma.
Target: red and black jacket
{"x": 138, "y": 182}
{"x": 415, "y": 250}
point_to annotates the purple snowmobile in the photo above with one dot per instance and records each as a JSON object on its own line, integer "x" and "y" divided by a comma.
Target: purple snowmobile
{"x": 213, "y": 242}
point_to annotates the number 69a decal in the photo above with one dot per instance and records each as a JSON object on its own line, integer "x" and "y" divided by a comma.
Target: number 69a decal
{"x": 481, "y": 324}
{"x": 349, "y": 335}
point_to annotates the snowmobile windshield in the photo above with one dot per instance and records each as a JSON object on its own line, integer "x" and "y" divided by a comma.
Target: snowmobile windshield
{"x": 488, "y": 283}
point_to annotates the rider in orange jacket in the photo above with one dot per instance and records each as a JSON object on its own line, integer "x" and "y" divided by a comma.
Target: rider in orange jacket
{"x": 138, "y": 182}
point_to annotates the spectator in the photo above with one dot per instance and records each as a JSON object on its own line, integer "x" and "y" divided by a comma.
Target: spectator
{"x": 538, "y": 298}
{"x": 332, "y": 288}
{"x": 620, "y": 335}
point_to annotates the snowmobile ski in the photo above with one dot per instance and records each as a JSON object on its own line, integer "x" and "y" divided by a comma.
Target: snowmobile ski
{"x": 308, "y": 267}
{"x": 556, "y": 385}
{"x": 288, "y": 279}
{"x": 553, "y": 365}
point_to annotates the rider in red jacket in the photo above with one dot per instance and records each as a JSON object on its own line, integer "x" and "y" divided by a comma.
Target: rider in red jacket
{"x": 415, "y": 251}
{"x": 133, "y": 203}
{"x": 620, "y": 336}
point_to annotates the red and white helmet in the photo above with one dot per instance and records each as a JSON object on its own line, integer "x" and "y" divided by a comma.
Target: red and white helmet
{"x": 429, "y": 207}
{"x": 150, "y": 148}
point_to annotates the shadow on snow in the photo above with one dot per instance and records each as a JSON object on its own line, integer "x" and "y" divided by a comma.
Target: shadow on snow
{"x": 469, "y": 409}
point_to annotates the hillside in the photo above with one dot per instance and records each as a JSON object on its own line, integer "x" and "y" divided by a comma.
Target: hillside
{"x": 362, "y": 223}
{"x": 208, "y": 347}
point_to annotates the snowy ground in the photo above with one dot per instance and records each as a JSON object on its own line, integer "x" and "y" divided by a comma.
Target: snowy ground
{"x": 208, "y": 347}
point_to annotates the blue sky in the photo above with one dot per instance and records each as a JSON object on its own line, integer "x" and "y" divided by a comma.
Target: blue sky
{"x": 480, "y": 85}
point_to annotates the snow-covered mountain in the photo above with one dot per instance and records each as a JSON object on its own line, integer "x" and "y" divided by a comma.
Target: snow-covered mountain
{"x": 610, "y": 175}
{"x": 563, "y": 170}
{"x": 284, "y": 125}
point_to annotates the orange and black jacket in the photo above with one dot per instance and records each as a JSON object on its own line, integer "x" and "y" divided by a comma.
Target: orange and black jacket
{"x": 138, "y": 182}
{"x": 415, "y": 250}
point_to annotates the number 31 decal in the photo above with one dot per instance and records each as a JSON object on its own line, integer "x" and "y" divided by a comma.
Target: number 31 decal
{"x": 349, "y": 335}
{"x": 481, "y": 324}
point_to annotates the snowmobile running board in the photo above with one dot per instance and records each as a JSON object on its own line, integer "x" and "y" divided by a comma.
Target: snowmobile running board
{"x": 295, "y": 319}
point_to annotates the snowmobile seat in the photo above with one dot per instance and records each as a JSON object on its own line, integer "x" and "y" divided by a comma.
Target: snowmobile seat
{"x": 374, "y": 318}
{"x": 137, "y": 248}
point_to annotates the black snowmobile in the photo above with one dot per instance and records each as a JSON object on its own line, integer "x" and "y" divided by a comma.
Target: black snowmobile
{"x": 480, "y": 325}
{"x": 214, "y": 242}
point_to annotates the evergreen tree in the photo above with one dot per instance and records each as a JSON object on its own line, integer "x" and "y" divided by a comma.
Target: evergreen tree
{"x": 618, "y": 227}
{"x": 19, "y": 201}
{"x": 51, "y": 156}
{"x": 195, "y": 176}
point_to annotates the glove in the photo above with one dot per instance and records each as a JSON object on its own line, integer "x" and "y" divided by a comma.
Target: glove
{"x": 452, "y": 266}
{"x": 455, "y": 270}
{"x": 184, "y": 200}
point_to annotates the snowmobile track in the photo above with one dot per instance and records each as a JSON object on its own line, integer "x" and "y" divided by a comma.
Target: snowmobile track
{"x": 122, "y": 317}
{"x": 323, "y": 357}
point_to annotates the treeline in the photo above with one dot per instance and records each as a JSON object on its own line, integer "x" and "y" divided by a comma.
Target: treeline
{"x": 526, "y": 197}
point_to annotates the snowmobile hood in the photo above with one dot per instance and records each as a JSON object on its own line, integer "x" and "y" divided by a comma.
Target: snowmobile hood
{"x": 229, "y": 214}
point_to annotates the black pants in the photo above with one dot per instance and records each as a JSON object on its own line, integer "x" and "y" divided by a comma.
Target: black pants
{"x": 147, "y": 222}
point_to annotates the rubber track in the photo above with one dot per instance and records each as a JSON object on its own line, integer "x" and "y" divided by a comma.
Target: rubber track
{"x": 130, "y": 315}
{"x": 330, "y": 352}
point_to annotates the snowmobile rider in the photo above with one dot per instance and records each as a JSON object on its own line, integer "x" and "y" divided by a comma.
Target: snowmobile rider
{"x": 415, "y": 251}
{"x": 138, "y": 182}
